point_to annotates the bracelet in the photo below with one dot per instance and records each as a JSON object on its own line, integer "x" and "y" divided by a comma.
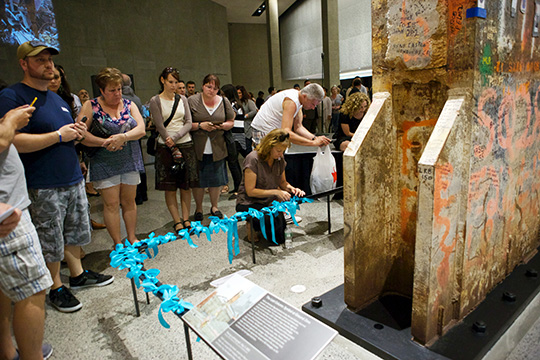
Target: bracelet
{"x": 59, "y": 136}
{"x": 199, "y": 126}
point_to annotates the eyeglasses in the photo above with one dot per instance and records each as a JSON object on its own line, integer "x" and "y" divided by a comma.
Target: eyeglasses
{"x": 283, "y": 137}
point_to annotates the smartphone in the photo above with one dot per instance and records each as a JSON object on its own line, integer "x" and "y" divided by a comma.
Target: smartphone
{"x": 8, "y": 212}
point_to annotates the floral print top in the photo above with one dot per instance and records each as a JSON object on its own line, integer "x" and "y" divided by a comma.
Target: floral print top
{"x": 105, "y": 164}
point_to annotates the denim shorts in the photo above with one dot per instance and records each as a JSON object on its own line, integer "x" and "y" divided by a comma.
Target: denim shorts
{"x": 130, "y": 178}
{"x": 22, "y": 268}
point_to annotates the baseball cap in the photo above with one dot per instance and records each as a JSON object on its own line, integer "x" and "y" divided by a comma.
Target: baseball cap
{"x": 34, "y": 47}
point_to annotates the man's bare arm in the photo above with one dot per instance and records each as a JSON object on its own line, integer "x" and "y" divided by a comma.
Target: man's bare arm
{"x": 13, "y": 120}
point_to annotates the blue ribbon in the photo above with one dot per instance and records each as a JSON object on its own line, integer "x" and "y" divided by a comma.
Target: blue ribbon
{"x": 132, "y": 256}
{"x": 169, "y": 303}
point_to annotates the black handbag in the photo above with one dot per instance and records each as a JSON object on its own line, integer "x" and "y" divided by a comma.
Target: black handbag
{"x": 151, "y": 142}
{"x": 96, "y": 129}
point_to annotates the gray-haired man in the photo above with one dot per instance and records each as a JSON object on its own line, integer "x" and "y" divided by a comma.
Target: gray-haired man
{"x": 284, "y": 110}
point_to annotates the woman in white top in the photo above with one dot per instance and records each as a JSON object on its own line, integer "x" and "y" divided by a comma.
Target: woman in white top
{"x": 176, "y": 165}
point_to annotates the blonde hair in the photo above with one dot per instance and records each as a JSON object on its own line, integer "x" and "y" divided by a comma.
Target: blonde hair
{"x": 273, "y": 138}
{"x": 108, "y": 75}
{"x": 354, "y": 103}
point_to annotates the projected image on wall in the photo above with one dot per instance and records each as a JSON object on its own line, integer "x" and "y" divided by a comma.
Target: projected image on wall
{"x": 24, "y": 20}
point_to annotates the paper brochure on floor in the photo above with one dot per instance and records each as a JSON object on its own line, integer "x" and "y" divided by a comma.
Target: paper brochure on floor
{"x": 241, "y": 320}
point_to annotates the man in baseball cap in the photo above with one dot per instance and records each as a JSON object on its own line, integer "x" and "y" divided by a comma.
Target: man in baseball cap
{"x": 34, "y": 47}
{"x": 53, "y": 176}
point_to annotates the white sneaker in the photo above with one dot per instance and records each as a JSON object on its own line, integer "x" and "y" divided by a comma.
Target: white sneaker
{"x": 289, "y": 219}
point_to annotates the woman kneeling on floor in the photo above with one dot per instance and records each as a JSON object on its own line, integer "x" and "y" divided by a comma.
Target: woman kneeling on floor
{"x": 264, "y": 181}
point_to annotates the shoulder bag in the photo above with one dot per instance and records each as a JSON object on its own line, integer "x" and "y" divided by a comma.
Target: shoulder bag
{"x": 151, "y": 142}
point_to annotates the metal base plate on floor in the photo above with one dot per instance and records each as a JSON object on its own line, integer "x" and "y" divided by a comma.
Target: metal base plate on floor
{"x": 383, "y": 327}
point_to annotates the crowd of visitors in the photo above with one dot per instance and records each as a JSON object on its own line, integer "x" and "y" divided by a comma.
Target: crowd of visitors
{"x": 51, "y": 139}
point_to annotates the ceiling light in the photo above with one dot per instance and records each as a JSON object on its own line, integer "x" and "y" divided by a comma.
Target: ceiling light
{"x": 260, "y": 10}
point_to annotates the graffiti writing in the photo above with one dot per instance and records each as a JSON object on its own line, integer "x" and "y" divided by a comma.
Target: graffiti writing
{"x": 516, "y": 66}
{"x": 503, "y": 191}
{"x": 410, "y": 28}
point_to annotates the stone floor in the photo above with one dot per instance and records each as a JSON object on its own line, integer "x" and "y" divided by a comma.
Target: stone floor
{"x": 107, "y": 328}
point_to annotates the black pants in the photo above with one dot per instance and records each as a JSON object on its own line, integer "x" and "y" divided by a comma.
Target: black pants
{"x": 142, "y": 188}
{"x": 279, "y": 222}
{"x": 232, "y": 160}
{"x": 244, "y": 152}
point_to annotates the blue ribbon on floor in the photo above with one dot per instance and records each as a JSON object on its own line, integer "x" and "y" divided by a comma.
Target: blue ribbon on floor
{"x": 132, "y": 256}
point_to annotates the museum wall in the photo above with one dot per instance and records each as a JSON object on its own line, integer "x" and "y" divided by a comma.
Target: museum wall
{"x": 249, "y": 56}
{"x": 139, "y": 38}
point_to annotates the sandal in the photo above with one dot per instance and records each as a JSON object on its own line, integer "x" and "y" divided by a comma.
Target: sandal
{"x": 188, "y": 227}
{"x": 216, "y": 213}
{"x": 175, "y": 225}
{"x": 225, "y": 189}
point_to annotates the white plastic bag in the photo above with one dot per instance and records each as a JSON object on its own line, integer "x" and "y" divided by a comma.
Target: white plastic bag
{"x": 323, "y": 174}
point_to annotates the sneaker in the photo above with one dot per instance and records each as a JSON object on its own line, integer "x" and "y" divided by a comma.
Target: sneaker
{"x": 46, "y": 350}
{"x": 289, "y": 220}
{"x": 63, "y": 300}
{"x": 90, "y": 278}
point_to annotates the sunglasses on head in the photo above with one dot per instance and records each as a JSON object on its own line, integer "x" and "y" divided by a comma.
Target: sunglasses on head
{"x": 171, "y": 70}
{"x": 283, "y": 137}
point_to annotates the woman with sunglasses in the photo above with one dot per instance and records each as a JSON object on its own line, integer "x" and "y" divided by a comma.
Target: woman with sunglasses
{"x": 264, "y": 181}
{"x": 175, "y": 147}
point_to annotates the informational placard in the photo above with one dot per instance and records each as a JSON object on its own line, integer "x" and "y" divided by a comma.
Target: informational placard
{"x": 240, "y": 320}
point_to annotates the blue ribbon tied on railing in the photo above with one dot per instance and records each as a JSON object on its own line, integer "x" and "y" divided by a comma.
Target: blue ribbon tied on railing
{"x": 132, "y": 256}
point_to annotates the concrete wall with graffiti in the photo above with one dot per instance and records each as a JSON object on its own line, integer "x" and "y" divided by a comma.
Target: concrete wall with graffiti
{"x": 480, "y": 232}
{"x": 409, "y": 62}
{"x": 368, "y": 196}
{"x": 502, "y": 218}
{"x": 480, "y": 215}
{"x": 469, "y": 238}
{"x": 442, "y": 202}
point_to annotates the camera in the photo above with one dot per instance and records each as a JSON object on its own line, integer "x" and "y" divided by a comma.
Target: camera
{"x": 177, "y": 168}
